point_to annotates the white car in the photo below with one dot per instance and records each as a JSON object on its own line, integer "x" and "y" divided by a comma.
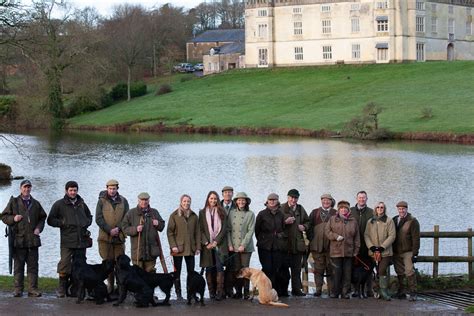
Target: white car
{"x": 199, "y": 67}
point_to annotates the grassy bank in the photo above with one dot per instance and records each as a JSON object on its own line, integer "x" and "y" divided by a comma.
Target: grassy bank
{"x": 311, "y": 98}
{"x": 44, "y": 284}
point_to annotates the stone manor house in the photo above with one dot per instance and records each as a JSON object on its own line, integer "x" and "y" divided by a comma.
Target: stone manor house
{"x": 318, "y": 32}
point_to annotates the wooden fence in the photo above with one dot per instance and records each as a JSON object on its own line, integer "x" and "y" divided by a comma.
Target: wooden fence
{"x": 436, "y": 258}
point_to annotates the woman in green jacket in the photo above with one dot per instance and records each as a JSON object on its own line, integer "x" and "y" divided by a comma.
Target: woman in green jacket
{"x": 240, "y": 239}
{"x": 184, "y": 238}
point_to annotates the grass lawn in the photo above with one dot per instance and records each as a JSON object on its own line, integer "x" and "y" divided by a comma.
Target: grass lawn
{"x": 311, "y": 97}
{"x": 44, "y": 284}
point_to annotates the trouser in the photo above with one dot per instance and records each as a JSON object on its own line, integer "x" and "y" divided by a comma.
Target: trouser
{"x": 271, "y": 261}
{"x": 295, "y": 261}
{"x": 322, "y": 266}
{"x": 229, "y": 275}
{"x": 217, "y": 264}
{"x": 342, "y": 275}
{"x": 65, "y": 263}
{"x": 403, "y": 264}
{"x": 240, "y": 260}
{"x": 110, "y": 251}
{"x": 178, "y": 263}
{"x": 383, "y": 266}
{"x": 30, "y": 257}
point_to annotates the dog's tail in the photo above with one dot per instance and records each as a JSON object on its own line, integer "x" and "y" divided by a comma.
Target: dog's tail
{"x": 279, "y": 304}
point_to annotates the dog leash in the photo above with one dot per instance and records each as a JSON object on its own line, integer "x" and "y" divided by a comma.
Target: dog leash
{"x": 366, "y": 267}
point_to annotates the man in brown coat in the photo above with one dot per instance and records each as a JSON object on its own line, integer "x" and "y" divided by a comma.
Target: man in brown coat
{"x": 296, "y": 222}
{"x": 405, "y": 249}
{"x": 109, "y": 213}
{"x": 26, "y": 217}
{"x": 319, "y": 243}
{"x": 142, "y": 224}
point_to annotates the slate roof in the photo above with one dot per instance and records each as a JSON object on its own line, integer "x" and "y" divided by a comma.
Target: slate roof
{"x": 233, "y": 48}
{"x": 230, "y": 35}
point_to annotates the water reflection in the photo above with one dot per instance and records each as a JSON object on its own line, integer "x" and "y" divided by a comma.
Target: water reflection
{"x": 434, "y": 178}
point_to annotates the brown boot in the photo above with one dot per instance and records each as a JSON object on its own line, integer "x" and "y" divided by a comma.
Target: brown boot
{"x": 246, "y": 289}
{"x": 18, "y": 282}
{"x": 62, "y": 287}
{"x": 211, "y": 284}
{"x": 412, "y": 287}
{"x": 220, "y": 286}
{"x": 33, "y": 285}
{"x": 110, "y": 283}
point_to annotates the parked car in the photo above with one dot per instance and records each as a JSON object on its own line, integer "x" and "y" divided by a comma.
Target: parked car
{"x": 199, "y": 67}
{"x": 183, "y": 67}
{"x": 188, "y": 68}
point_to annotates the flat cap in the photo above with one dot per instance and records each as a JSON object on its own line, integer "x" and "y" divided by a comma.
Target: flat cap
{"x": 25, "y": 183}
{"x": 143, "y": 196}
{"x": 402, "y": 204}
{"x": 294, "y": 193}
{"x": 273, "y": 196}
{"x": 227, "y": 188}
{"x": 343, "y": 203}
{"x": 112, "y": 182}
{"x": 326, "y": 196}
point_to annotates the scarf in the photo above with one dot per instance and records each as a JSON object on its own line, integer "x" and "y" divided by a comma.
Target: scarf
{"x": 213, "y": 223}
{"x": 183, "y": 212}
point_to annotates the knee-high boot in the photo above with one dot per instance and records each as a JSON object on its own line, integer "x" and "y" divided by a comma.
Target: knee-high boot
{"x": 318, "y": 281}
{"x": 412, "y": 287}
{"x": 211, "y": 284}
{"x": 383, "y": 282}
{"x": 33, "y": 285}
{"x": 18, "y": 281}
{"x": 220, "y": 286}
{"x": 401, "y": 287}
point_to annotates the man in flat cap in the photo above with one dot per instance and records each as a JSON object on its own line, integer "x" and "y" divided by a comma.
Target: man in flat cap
{"x": 319, "y": 243}
{"x": 228, "y": 204}
{"x": 72, "y": 216}
{"x": 296, "y": 222}
{"x": 109, "y": 213}
{"x": 227, "y": 201}
{"x": 142, "y": 224}
{"x": 25, "y": 217}
{"x": 405, "y": 249}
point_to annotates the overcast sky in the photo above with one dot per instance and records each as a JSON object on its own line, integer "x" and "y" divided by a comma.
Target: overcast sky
{"x": 105, "y": 6}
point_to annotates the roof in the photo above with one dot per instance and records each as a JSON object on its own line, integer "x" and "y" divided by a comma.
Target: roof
{"x": 232, "y": 48}
{"x": 230, "y": 35}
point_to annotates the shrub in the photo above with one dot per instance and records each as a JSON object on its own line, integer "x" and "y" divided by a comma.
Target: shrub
{"x": 6, "y": 105}
{"x": 105, "y": 99}
{"x": 119, "y": 91}
{"x": 426, "y": 113}
{"x": 164, "y": 88}
{"x": 82, "y": 104}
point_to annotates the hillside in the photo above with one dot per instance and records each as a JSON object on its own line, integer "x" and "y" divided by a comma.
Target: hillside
{"x": 311, "y": 97}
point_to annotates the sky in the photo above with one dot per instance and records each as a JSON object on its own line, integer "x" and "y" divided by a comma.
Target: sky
{"x": 105, "y": 6}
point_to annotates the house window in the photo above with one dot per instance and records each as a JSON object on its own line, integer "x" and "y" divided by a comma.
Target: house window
{"x": 382, "y": 54}
{"x": 451, "y": 26}
{"x": 382, "y": 24}
{"x": 420, "y": 5}
{"x": 468, "y": 11}
{"x": 433, "y": 7}
{"x": 262, "y": 12}
{"x": 468, "y": 28}
{"x": 297, "y": 28}
{"x": 420, "y": 23}
{"x": 297, "y": 17}
{"x": 420, "y": 51}
{"x": 327, "y": 52}
{"x": 297, "y": 10}
{"x": 355, "y": 25}
{"x": 326, "y": 26}
{"x": 382, "y": 4}
{"x": 325, "y": 8}
{"x": 298, "y": 53}
{"x": 355, "y": 6}
{"x": 262, "y": 30}
{"x": 434, "y": 24}
{"x": 355, "y": 51}
{"x": 262, "y": 57}
{"x": 450, "y": 9}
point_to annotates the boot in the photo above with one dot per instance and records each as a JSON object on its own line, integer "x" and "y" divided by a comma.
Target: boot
{"x": 318, "y": 281}
{"x": 211, "y": 285}
{"x": 330, "y": 284}
{"x": 239, "y": 283}
{"x": 62, "y": 288}
{"x": 401, "y": 288}
{"x": 18, "y": 281}
{"x": 177, "y": 288}
{"x": 220, "y": 286}
{"x": 110, "y": 283}
{"x": 33, "y": 285}
{"x": 412, "y": 287}
{"x": 229, "y": 282}
{"x": 383, "y": 283}
{"x": 246, "y": 289}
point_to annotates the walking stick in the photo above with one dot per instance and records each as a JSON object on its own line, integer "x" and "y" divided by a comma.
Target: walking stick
{"x": 162, "y": 257}
{"x": 139, "y": 237}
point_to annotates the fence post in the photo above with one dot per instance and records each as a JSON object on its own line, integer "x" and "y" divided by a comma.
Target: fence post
{"x": 470, "y": 265}
{"x": 436, "y": 251}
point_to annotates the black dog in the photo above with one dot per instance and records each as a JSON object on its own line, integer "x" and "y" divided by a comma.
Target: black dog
{"x": 195, "y": 284}
{"x": 85, "y": 278}
{"x": 362, "y": 270}
{"x": 103, "y": 270}
{"x": 163, "y": 280}
{"x": 129, "y": 280}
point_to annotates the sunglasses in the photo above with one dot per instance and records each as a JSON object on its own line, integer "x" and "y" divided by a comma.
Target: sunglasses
{"x": 380, "y": 207}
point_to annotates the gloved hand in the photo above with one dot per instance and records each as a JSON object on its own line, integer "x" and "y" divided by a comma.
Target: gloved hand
{"x": 340, "y": 238}
{"x": 373, "y": 249}
{"x": 381, "y": 249}
{"x": 414, "y": 259}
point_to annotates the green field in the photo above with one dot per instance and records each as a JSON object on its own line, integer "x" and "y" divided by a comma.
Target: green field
{"x": 311, "y": 97}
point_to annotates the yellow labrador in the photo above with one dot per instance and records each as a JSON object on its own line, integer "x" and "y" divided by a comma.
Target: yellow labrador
{"x": 266, "y": 294}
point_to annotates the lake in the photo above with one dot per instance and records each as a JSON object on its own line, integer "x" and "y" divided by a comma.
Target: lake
{"x": 435, "y": 179}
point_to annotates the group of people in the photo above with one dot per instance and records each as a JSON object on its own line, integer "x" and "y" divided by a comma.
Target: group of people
{"x": 221, "y": 234}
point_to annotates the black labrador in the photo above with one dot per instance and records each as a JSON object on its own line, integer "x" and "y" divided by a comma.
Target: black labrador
{"x": 85, "y": 278}
{"x": 362, "y": 270}
{"x": 195, "y": 284}
{"x": 164, "y": 281}
{"x": 129, "y": 280}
